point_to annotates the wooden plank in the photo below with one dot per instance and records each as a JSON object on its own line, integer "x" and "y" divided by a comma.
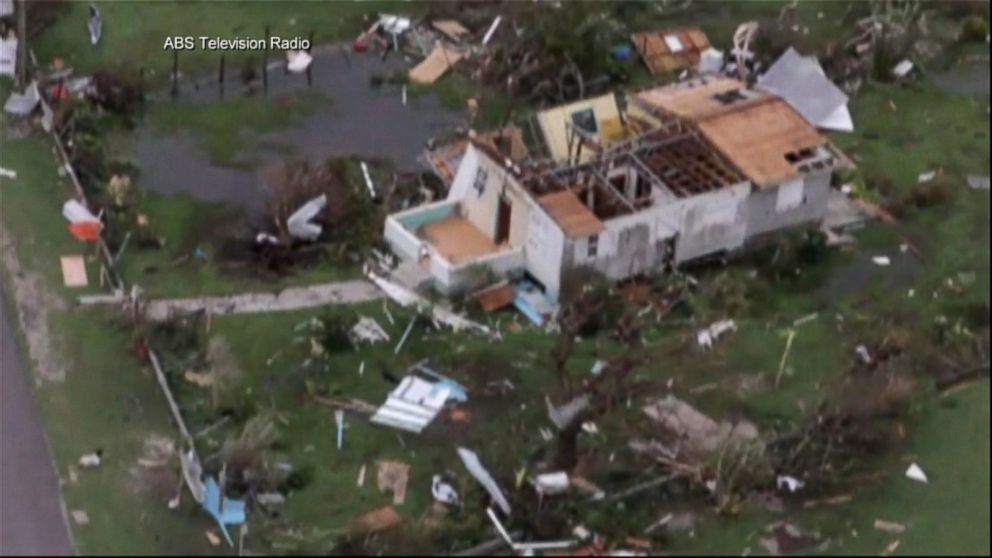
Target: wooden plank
{"x": 74, "y": 271}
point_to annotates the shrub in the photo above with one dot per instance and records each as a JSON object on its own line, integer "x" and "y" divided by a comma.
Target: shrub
{"x": 974, "y": 29}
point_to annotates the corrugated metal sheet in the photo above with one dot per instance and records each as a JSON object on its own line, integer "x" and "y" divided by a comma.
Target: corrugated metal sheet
{"x": 412, "y": 405}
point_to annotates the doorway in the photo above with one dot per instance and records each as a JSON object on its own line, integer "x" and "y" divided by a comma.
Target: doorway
{"x": 502, "y": 221}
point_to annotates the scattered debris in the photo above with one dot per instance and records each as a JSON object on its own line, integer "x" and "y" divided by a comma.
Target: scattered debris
{"x": 361, "y": 477}
{"x": 406, "y": 333}
{"x": 927, "y": 177}
{"x": 74, "y": 271}
{"x": 379, "y": 520}
{"x": 339, "y": 422}
{"x": 23, "y": 104}
{"x": 889, "y": 526}
{"x": 453, "y": 29}
{"x": 564, "y": 416}
{"x": 8, "y": 54}
{"x": 82, "y": 224}
{"x": 881, "y": 260}
{"x": 890, "y": 548}
{"x": 80, "y": 517}
{"x": 393, "y": 477}
{"x": 443, "y": 492}
{"x": 475, "y": 468}
{"x": 801, "y": 81}
{"x": 95, "y": 24}
{"x": 412, "y": 405}
{"x": 91, "y": 460}
{"x": 193, "y": 475}
{"x": 270, "y": 499}
{"x": 550, "y": 484}
{"x": 494, "y": 297}
{"x": 7, "y": 173}
{"x": 863, "y": 354}
{"x": 299, "y": 223}
{"x": 976, "y": 182}
{"x": 368, "y": 179}
{"x": 668, "y": 51}
{"x": 492, "y": 29}
{"x": 914, "y": 472}
{"x": 225, "y": 511}
{"x": 902, "y": 69}
{"x": 786, "y": 538}
{"x": 368, "y": 330}
{"x": 440, "y": 60}
{"x": 706, "y": 337}
{"x": 297, "y": 61}
{"x": 792, "y": 484}
{"x": 692, "y": 437}
{"x": 212, "y": 537}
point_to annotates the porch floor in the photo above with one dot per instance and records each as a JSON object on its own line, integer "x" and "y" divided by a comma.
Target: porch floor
{"x": 458, "y": 240}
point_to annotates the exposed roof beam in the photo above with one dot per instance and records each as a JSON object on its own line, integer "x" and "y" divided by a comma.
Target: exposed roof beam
{"x": 655, "y": 179}
{"x": 604, "y": 182}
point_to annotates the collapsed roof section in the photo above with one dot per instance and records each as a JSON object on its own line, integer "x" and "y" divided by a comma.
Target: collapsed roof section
{"x": 629, "y": 180}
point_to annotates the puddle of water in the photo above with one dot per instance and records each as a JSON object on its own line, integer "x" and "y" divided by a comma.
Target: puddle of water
{"x": 965, "y": 79}
{"x": 851, "y": 279}
{"x": 358, "y": 119}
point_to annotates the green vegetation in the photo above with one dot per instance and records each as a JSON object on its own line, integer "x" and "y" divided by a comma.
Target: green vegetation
{"x": 185, "y": 226}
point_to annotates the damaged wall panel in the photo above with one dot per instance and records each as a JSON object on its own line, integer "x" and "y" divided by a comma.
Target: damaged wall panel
{"x": 764, "y": 216}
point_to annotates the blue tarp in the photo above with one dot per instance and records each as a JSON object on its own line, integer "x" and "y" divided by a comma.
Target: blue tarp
{"x": 231, "y": 513}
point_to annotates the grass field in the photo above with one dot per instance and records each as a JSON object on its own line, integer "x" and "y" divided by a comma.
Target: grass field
{"x": 115, "y": 397}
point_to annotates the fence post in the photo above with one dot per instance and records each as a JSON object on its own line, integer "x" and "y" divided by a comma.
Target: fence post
{"x": 175, "y": 72}
{"x": 221, "y": 78}
{"x": 265, "y": 63}
{"x": 310, "y": 66}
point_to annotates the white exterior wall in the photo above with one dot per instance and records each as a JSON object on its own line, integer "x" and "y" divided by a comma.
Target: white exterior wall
{"x": 776, "y": 208}
{"x": 713, "y": 222}
{"x": 634, "y": 244}
{"x": 544, "y": 251}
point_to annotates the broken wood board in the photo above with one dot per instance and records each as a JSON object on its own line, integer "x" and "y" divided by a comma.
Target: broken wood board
{"x": 451, "y": 28}
{"x": 74, "y": 271}
{"x": 393, "y": 477}
{"x": 437, "y": 63}
{"x": 497, "y": 296}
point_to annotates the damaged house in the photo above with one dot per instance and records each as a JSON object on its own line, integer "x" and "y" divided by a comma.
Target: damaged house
{"x": 722, "y": 166}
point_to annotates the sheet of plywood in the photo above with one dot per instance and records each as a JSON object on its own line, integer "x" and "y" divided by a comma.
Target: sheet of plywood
{"x": 757, "y": 137}
{"x": 74, "y": 271}
{"x": 435, "y": 65}
{"x": 451, "y": 28}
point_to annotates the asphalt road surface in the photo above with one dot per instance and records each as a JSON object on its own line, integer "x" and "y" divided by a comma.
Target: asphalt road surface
{"x": 31, "y": 518}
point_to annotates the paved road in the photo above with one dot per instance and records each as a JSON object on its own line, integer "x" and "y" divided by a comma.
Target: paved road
{"x": 31, "y": 518}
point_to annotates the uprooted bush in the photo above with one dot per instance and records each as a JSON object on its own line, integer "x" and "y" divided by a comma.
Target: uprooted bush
{"x": 253, "y": 460}
{"x": 118, "y": 93}
{"x": 348, "y": 219}
{"x": 842, "y": 438}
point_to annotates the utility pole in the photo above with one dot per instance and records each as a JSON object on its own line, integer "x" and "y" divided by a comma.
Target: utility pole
{"x": 22, "y": 42}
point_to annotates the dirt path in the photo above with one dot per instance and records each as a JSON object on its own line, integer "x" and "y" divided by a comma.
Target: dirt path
{"x": 34, "y": 302}
{"x": 294, "y": 298}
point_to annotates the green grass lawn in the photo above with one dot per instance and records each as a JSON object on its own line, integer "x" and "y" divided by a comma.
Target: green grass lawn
{"x": 108, "y": 400}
